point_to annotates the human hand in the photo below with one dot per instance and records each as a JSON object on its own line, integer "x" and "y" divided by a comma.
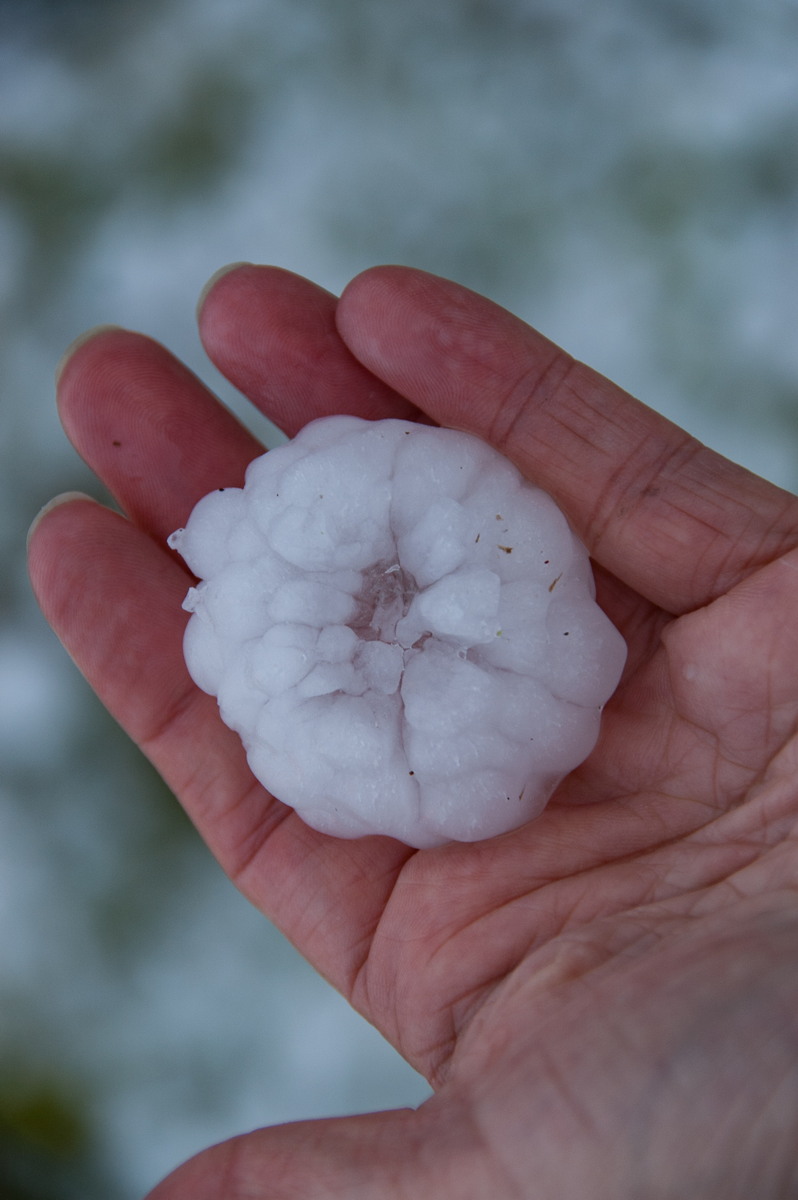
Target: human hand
{"x": 605, "y": 1000}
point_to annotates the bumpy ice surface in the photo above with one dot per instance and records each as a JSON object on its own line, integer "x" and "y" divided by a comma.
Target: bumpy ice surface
{"x": 401, "y": 629}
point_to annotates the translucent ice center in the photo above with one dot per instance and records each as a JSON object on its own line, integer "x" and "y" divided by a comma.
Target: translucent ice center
{"x": 385, "y": 595}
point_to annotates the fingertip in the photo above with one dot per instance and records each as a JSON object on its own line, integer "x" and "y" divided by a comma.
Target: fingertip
{"x": 81, "y": 340}
{"x": 391, "y": 291}
{"x": 389, "y": 275}
{"x": 362, "y": 312}
{"x": 216, "y": 278}
{"x": 392, "y": 283}
{"x": 398, "y": 322}
{"x": 369, "y": 293}
{"x": 56, "y": 502}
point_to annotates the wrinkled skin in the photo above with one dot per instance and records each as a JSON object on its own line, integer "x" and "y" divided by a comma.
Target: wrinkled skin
{"x": 604, "y": 1001}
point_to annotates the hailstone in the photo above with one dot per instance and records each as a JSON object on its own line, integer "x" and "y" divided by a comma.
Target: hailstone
{"x": 402, "y": 630}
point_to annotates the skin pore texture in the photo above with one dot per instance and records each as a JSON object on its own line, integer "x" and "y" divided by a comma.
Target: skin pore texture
{"x": 604, "y": 1000}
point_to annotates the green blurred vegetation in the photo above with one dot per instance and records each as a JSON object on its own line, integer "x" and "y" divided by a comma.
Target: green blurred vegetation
{"x": 46, "y": 1150}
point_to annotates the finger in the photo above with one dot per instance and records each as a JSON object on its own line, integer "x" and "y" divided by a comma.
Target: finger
{"x": 380, "y": 1156}
{"x": 273, "y": 335}
{"x": 147, "y": 426}
{"x": 113, "y": 597}
{"x": 677, "y": 522}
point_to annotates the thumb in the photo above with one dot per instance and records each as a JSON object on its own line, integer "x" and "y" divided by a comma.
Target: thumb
{"x": 373, "y": 1157}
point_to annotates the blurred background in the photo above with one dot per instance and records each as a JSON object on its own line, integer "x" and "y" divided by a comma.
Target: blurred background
{"x": 622, "y": 174}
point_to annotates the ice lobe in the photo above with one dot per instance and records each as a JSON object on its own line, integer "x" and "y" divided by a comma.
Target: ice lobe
{"x": 402, "y": 630}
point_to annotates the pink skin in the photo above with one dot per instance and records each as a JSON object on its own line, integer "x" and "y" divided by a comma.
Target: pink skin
{"x": 606, "y": 1000}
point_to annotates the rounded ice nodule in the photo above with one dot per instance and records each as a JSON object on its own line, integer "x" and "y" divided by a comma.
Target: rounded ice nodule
{"x": 401, "y": 628}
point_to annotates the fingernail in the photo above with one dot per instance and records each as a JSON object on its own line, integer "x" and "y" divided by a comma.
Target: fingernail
{"x": 78, "y": 342}
{"x": 214, "y": 279}
{"x": 63, "y": 498}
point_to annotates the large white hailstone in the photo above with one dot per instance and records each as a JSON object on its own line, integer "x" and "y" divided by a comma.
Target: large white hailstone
{"x": 402, "y": 630}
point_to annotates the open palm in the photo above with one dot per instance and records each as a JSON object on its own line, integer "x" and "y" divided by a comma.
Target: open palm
{"x": 606, "y": 1000}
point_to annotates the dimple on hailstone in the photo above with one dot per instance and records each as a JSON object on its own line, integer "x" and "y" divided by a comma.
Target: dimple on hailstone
{"x": 401, "y": 629}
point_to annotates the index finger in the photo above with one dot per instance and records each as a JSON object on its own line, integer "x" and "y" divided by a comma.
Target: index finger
{"x": 676, "y": 521}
